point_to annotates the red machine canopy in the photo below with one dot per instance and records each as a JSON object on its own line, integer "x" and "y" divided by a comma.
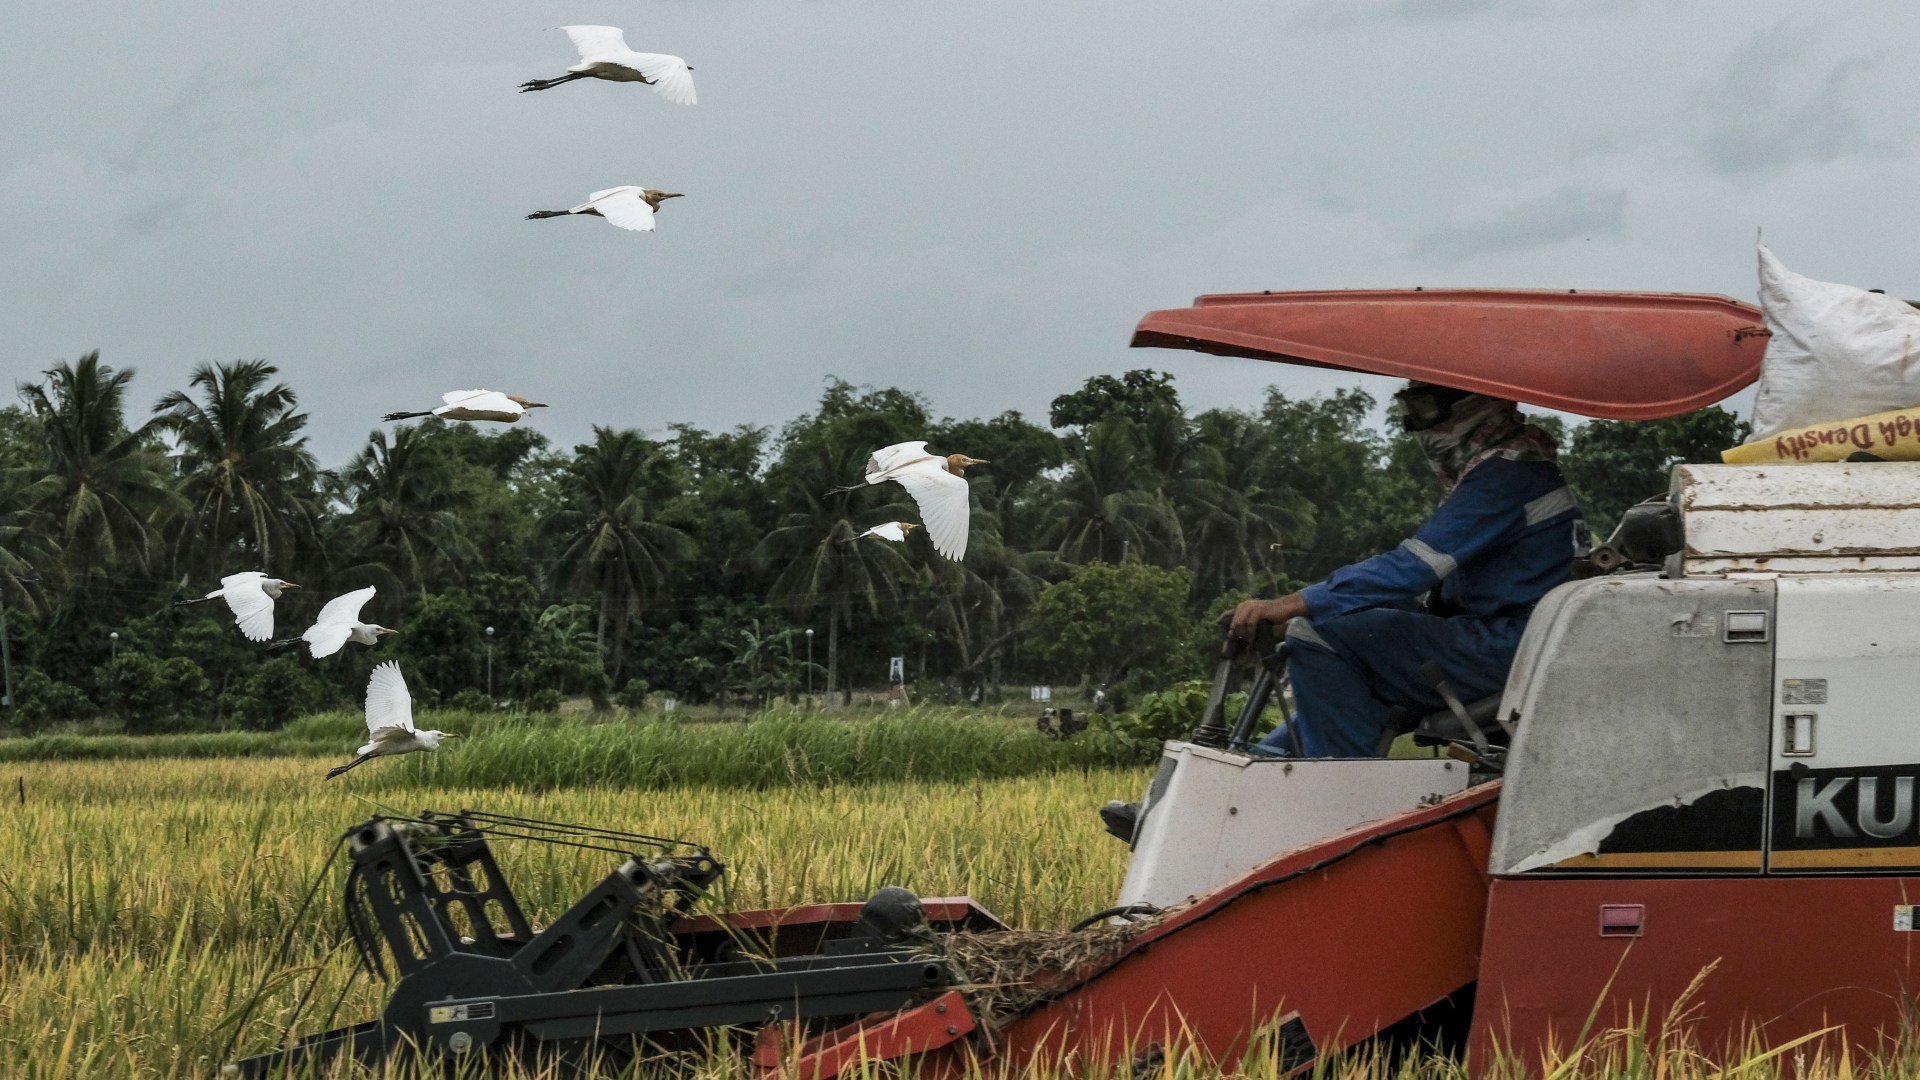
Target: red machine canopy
{"x": 1616, "y": 355}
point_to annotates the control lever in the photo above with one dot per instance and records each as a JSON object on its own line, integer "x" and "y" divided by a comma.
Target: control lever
{"x": 1273, "y": 670}
{"x": 1437, "y": 678}
{"x": 1212, "y": 729}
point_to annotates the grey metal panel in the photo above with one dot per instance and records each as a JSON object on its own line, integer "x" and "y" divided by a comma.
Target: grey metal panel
{"x": 1630, "y": 701}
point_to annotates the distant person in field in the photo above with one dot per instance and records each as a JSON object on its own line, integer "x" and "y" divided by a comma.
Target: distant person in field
{"x": 1458, "y": 592}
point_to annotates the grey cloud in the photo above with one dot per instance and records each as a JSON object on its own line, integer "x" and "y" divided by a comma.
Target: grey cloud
{"x": 1567, "y": 214}
{"x": 975, "y": 201}
{"x": 1340, "y": 14}
{"x": 1776, "y": 103}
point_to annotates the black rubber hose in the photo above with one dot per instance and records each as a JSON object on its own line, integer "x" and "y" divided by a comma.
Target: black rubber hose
{"x": 1124, "y": 910}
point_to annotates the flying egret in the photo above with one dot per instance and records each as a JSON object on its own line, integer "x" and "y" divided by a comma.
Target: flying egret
{"x": 938, "y": 485}
{"x": 628, "y": 206}
{"x": 390, "y": 728}
{"x": 338, "y": 623}
{"x": 250, "y": 596}
{"x": 476, "y": 405}
{"x": 604, "y": 55}
{"x": 895, "y": 531}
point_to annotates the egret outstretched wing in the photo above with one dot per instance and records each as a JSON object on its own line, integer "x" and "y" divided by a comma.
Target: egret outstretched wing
{"x": 344, "y": 609}
{"x": 944, "y": 505}
{"x": 328, "y": 639}
{"x": 888, "y": 458}
{"x": 623, "y": 206}
{"x": 671, "y": 77}
{"x": 389, "y": 705}
{"x": 251, "y": 606}
{"x": 468, "y": 397}
{"x": 895, "y": 531}
{"x": 596, "y": 41}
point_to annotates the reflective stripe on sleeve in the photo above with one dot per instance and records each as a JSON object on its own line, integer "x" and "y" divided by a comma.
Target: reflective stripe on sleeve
{"x": 1439, "y": 562}
{"x": 1551, "y": 505}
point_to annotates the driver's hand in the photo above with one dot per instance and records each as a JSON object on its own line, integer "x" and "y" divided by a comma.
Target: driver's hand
{"x": 1244, "y": 620}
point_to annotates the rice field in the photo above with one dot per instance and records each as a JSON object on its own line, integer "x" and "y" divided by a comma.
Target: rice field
{"x": 143, "y": 902}
{"x": 140, "y": 901}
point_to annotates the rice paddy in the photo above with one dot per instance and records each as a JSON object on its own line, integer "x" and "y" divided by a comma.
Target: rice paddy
{"x": 143, "y": 902}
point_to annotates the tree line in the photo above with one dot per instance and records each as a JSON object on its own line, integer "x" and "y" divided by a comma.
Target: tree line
{"x": 691, "y": 565}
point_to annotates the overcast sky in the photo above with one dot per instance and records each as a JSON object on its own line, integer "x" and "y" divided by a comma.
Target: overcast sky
{"x": 975, "y": 201}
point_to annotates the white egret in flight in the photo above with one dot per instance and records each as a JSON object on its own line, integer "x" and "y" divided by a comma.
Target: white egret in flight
{"x": 604, "y": 55}
{"x": 390, "y": 728}
{"x": 895, "y": 531}
{"x": 938, "y": 485}
{"x": 338, "y": 623}
{"x": 476, "y": 405}
{"x": 250, "y": 596}
{"x": 628, "y": 206}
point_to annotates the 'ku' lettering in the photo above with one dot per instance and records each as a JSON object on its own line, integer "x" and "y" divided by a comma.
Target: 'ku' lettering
{"x": 1814, "y": 802}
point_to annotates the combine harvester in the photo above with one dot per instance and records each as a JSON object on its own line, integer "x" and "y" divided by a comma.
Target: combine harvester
{"x": 1698, "y": 762}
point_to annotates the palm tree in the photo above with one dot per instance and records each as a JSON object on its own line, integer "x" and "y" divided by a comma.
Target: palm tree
{"x": 404, "y": 509}
{"x": 980, "y": 605}
{"x": 610, "y": 540}
{"x": 812, "y": 551}
{"x": 25, "y": 543}
{"x": 100, "y": 486}
{"x": 244, "y": 467}
{"x": 1110, "y": 502}
{"x": 1233, "y": 541}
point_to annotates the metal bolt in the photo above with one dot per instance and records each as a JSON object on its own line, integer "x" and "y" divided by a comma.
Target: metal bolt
{"x": 459, "y": 1042}
{"x": 939, "y": 1008}
{"x": 951, "y": 1030}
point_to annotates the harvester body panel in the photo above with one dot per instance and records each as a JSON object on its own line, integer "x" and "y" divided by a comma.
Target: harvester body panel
{"x": 1213, "y": 815}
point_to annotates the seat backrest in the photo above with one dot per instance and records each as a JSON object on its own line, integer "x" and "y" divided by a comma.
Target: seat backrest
{"x": 1444, "y": 727}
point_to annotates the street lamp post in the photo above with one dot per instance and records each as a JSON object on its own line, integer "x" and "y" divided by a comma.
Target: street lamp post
{"x": 489, "y": 663}
{"x": 809, "y": 667}
{"x": 113, "y": 639}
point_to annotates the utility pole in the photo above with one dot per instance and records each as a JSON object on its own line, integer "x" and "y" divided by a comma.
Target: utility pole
{"x": 489, "y": 664}
{"x": 809, "y": 667}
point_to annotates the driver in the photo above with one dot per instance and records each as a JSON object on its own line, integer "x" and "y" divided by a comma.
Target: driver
{"x": 1506, "y": 532}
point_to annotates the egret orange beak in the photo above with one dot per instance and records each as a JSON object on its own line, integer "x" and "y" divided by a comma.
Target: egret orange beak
{"x": 673, "y": 194}
{"x": 288, "y": 585}
{"x": 388, "y": 630}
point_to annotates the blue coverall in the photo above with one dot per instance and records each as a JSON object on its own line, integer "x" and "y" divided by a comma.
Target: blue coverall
{"x": 1495, "y": 546}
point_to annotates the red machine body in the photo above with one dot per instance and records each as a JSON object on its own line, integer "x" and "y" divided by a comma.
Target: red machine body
{"x": 1667, "y": 838}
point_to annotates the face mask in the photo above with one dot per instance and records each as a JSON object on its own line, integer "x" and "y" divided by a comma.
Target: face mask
{"x": 1421, "y": 408}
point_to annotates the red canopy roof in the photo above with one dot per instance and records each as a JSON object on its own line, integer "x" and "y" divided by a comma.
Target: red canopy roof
{"x": 1621, "y": 356}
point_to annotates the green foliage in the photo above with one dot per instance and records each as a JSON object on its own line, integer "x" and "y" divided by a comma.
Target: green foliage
{"x": 1104, "y": 619}
{"x": 1613, "y": 464}
{"x": 546, "y": 700}
{"x": 1138, "y": 395}
{"x": 274, "y": 692}
{"x": 470, "y": 700}
{"x": 691, "y": 565}
{"x": 151, "y": 694}
{"x": 560, "y": 655}
{"x": 632, "y": 695}
{"x": 39, "y": 700}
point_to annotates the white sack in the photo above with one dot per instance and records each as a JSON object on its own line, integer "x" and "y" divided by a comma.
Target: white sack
{"x": 1837, "y": 352}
